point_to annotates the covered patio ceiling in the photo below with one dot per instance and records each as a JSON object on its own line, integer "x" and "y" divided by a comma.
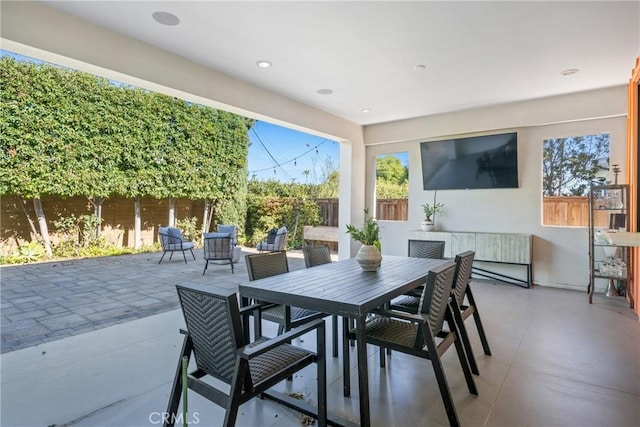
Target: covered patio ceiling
{"x": 396, "y": 59}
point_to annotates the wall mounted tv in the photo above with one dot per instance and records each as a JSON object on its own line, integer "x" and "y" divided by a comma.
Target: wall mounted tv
{"x": 489, "y": 161}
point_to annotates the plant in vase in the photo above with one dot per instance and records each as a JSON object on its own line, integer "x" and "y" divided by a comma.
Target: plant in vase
{"x": 369, "y": 256}
{"x": 430, "y": 211}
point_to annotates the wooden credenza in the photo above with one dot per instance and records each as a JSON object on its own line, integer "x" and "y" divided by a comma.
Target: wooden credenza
{"x": 505, "y": 248}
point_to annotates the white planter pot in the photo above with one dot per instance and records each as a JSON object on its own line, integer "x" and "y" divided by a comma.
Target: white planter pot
{"x": 427, "y": 226}
{"x": 369, "y": 257}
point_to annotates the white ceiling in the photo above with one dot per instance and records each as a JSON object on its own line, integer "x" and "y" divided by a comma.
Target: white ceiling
{"x": 476, "y": 53}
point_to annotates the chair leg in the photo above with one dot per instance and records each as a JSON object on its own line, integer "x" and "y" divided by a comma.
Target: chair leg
{"x": 185, "y": 257}
{"x": 231, "y": 262}
{"x": 334, "y": 331}
{"x": 194, "y": 257}
{"x": 205, "y": 267}
{"x": 163, "y": 254}
{"x": 464, "y": 336}
{"x": 321, "y": 362}
{"x": 383, "y": 358}
{"x": 257, "y": 325}
{"x": 462, "y": 355}
{"x": 242, "y": 369}
{"x": 176, "y": 391}
{"x": 444, "y": 390}
{"x": 476, "y": 317}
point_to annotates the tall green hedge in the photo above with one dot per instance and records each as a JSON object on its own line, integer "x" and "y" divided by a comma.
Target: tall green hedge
{"x": 69, "y": 133}
{"x": 272, "y": 204}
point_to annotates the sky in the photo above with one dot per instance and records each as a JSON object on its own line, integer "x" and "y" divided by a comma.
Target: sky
{"x": 284, "y": 154}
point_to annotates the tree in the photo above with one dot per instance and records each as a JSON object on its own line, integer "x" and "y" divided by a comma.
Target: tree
{"x": 570, "y": 164}
{"x": 392, "y": 178}
{"x": 390, "y": 169}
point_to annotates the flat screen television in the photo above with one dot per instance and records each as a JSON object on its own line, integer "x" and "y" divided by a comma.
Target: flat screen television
{"x": 489, "y": 161}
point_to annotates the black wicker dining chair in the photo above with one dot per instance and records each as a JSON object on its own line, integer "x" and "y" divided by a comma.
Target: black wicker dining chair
{"x": 426, "y": 249}
{"x": 269, "y": 264}
{"x": 315, "y": 255}
{"x": 214, "y": 337}
{"x": 416, "y": 334}
{"x": 461, "y": 311}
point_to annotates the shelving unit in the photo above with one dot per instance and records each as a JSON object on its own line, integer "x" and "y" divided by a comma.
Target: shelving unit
{"x": 608, "y": 214}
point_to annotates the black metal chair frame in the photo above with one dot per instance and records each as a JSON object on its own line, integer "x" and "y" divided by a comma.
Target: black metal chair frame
{"x": 214, "y": 336}
{"x": 415, "y": 334}
{"x": 218, "y": 249}
{"x": 173, "y": 240}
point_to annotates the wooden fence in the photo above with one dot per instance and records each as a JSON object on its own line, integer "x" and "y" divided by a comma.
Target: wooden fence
{"x": 572, "y": 211}
{"x": 117, "y": 214}
{"x": 386, "y": 209}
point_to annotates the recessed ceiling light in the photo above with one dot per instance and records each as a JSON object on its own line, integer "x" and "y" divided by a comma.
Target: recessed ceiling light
{"x": 570, "y": 72}
{"x": 325, "y": 91}
{"x": 419, "y": 67}
{"x": 365, "y": 110}
{"x": 165, "y": 18}
{"x": 263, "y": 64}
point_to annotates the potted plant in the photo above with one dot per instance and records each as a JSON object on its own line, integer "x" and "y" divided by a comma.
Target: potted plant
{"x": 369, "y": 256}
{"x": 430, "y": 211}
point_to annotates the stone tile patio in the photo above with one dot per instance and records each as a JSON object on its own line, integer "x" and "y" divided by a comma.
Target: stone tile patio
{"x": 53, "y": 300}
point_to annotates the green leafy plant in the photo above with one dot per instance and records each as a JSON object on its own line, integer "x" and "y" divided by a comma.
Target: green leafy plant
{"x": 369, "y": 234}
{"x": 430, "y": 211}
{"x": 189, "y": 228}
{"x": 31, "y": 252}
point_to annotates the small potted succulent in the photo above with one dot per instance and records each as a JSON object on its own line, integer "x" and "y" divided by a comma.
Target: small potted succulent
{"x": 430, "y": 211}
{"x": 369, "y": 256}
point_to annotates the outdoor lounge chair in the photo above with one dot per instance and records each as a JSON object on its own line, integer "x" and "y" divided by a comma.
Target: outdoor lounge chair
{"x": 279, "y": 243}
{"x": 232, "y": 229}
{"x": 214, "y": 336}
{"x": 218, "y": 247}
{"x": 270, "y": 264}
{"x": 416, "y": 334}
{"x": 172, "y": 241}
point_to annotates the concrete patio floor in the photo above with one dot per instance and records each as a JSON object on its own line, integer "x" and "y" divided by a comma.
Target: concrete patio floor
{"x": 556, "y": 361}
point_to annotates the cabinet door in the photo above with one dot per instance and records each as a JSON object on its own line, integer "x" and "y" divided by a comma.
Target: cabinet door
{"x": 461, "y": 242}
{"x": 516, "y": 248}
{"x": 488, "y": 247}
{"x": 443, "y": 236}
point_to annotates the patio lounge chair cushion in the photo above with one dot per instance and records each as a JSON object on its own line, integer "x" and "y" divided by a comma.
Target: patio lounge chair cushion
{"x": 232, "y": 229}
{"x": 279, "y": 243}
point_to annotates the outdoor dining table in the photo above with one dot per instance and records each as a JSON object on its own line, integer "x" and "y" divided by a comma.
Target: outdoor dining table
{"x": 344, "y": 289}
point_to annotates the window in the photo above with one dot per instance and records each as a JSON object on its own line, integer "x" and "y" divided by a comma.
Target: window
{"x": 569, "y": 165}
{"x": 392, "y": 187}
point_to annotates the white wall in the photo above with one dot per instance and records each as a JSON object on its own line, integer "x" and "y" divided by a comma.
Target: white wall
{"x": 34, "y": 29}
{"x": 560, "y": 254}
